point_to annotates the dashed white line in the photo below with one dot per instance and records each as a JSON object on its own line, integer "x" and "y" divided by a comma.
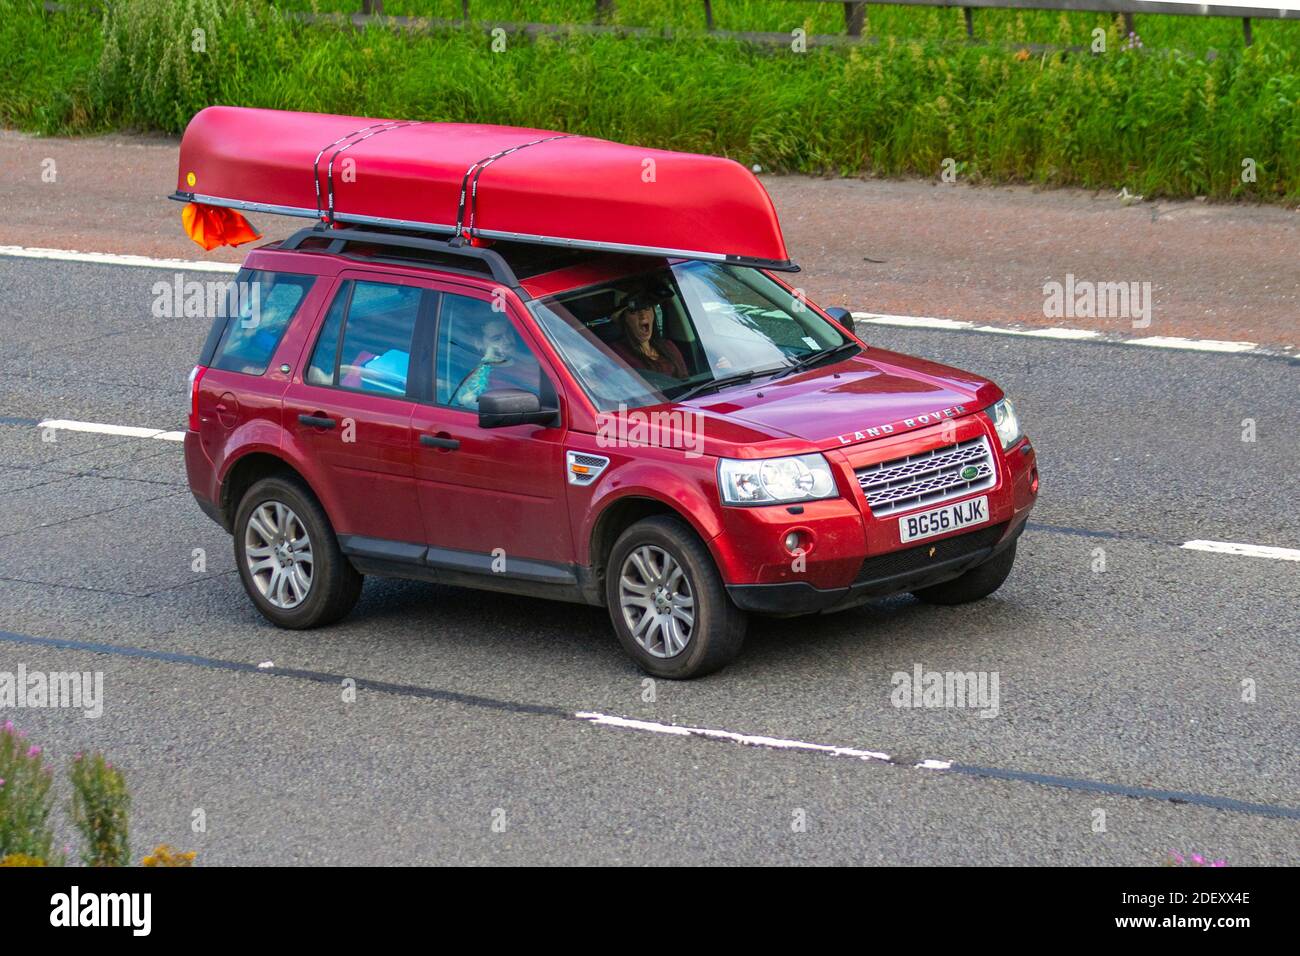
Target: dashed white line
{"x": 913, "y": 321}
{"x": 750, "y": 740}
{"x": 1198, "y": 345}
{"x": 934, "y": 765}
{"x": 99, "y": 428}
{"x": 1048, "y": 333}
{"x": 1062, "y": 334}
{"x": 1243, "y": 550}
{"x": 871, "y": 318}
{"x": 159, "y": 434}
{"x": 113, "y": 259}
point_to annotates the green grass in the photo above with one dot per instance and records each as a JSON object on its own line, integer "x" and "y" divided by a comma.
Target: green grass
{"x": 1188, "y": 33}
{"x": 1158, "y": 123}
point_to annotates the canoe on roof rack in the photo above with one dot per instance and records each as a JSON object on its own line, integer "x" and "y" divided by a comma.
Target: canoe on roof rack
{"x": 485, "y": 182}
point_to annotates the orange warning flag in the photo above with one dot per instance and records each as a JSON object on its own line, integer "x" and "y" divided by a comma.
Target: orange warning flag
{"x": 212, "y": 226}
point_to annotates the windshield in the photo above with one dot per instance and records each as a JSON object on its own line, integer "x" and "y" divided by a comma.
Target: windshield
{"x": 660, "y": 334}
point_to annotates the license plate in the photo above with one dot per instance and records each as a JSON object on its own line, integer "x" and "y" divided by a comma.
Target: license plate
{"x": 926, "y": 524}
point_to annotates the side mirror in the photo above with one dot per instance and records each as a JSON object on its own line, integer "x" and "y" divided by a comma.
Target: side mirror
{"x": 842, "y": 316}
{"x": 499, "y": 407}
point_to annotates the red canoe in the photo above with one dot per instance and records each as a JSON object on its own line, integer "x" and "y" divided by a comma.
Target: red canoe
{"x": 492, "y": 182}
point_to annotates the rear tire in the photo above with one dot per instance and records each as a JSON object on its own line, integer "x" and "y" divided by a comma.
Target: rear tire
{"x": 667, "y": 601}
{"x": 979, "y": 582}
{"x": 287, "y": 512}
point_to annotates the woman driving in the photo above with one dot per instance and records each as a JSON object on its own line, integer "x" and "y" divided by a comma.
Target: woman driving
{"x": 641, "y": 345}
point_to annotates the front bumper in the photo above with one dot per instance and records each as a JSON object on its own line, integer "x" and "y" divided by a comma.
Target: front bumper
{"x": 893, "y": 573}
{"x": 852, "y": 555}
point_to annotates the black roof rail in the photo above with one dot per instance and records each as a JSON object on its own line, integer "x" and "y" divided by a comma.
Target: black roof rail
{"x": 339, "y": 238}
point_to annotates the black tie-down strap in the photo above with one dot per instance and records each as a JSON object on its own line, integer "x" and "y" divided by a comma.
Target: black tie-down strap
{"x": 351, "y": 139}
{"x": 469, "y": 183}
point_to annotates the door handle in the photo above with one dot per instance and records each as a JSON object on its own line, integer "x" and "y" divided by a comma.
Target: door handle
{"x": 433, "y": 441}
{"x": 317, "y": 421}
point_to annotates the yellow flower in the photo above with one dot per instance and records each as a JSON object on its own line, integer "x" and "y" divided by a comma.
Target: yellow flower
{"x": 164, "y": 855}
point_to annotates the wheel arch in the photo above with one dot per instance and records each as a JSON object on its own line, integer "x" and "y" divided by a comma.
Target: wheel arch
{"x": 619, "y": 515}
{"x": 245, "y": 472}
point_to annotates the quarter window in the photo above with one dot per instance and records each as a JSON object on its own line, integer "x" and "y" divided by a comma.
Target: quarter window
{"x": 258, "y": 306}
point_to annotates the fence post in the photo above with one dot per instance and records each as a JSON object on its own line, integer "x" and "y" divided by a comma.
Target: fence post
{"x": 970, "y": 22}
{"x": 604, "y": 9}
{"x": 1128, "y": 24}
{"x": 855, "y": 18}
{"x": 372, "y": 7}
{"x": 708, "y": 14}
{"x": 464, "y": 9}
{"x": 1245, "y": 27}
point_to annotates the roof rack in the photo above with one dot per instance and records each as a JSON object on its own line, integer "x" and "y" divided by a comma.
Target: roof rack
{"x": 338, "y": 240}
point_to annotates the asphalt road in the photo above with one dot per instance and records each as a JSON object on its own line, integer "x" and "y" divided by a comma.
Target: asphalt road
{"x": 1129, "y": 677}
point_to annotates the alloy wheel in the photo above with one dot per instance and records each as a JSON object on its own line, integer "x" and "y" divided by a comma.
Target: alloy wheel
{"x": 278, "y": 554}
{"x": 656, "y": 600}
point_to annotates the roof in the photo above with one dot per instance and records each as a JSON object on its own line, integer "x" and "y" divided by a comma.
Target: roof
{"x": 488, "y": 182}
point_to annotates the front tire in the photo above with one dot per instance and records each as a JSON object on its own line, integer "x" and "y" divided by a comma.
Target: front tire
{"x": 667, "y": 601}
{"x": 979, "y": 582}
{"x": 288, "y": 556}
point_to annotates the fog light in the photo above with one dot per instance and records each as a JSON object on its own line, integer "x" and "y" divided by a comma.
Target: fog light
{"x": 798, "y": 541}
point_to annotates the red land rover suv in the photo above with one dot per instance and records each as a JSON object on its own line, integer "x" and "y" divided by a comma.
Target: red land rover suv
{"x": 550, "y": 364}
{"x": 682, "y": 441}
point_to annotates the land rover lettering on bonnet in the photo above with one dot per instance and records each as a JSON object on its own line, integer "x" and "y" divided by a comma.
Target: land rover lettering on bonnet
{"x": 498, "y": 358}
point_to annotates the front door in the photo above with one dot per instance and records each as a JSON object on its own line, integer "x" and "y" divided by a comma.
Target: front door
{"x": 488, "y": 495}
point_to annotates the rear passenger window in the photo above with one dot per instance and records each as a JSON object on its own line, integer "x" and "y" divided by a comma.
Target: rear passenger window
{"x": 375, "y": 354}
{"x": 258, "y": 308}
{"x": 325, "y": 357}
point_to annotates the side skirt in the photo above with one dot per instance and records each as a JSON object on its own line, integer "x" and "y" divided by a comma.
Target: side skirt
{"x": 472, "y": 569}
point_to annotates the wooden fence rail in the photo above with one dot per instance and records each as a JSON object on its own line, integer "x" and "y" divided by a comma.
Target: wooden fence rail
{"x": 855, "y": 13}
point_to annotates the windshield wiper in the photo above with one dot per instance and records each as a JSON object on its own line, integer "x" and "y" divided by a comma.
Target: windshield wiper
{"x": 717, "y": 383}
{"x": 816, "y": 358}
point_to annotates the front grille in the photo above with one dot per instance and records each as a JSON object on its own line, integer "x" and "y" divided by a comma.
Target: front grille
{"x": 929, "y": 554}
{"x": 928, "y": 478}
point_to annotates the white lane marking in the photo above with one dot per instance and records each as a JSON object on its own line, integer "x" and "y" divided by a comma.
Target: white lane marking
{"x": 774, "y": 743}
{"x": 873, "y": 318}
{"x": 1244, "y": 550}
{"x": 158, "y": 434}
{"x": 1199, "y": 345}
{"x": 98, "y": 428}
{"x": 1048, "y": 333}
{"x": 1060, "y": 333}
{"x": 111, "y": 259}
{"x": 934, "y": 765}
{"x": 912, "y": 321}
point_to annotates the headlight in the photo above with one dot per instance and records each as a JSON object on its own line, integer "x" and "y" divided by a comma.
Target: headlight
{"x": 771, "y": 480}
{"x": 1004, "y": 418}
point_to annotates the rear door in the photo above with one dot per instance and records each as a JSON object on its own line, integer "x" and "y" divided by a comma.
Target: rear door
{"x": 348, "y": 409}
{"x": 489, "y": 493}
